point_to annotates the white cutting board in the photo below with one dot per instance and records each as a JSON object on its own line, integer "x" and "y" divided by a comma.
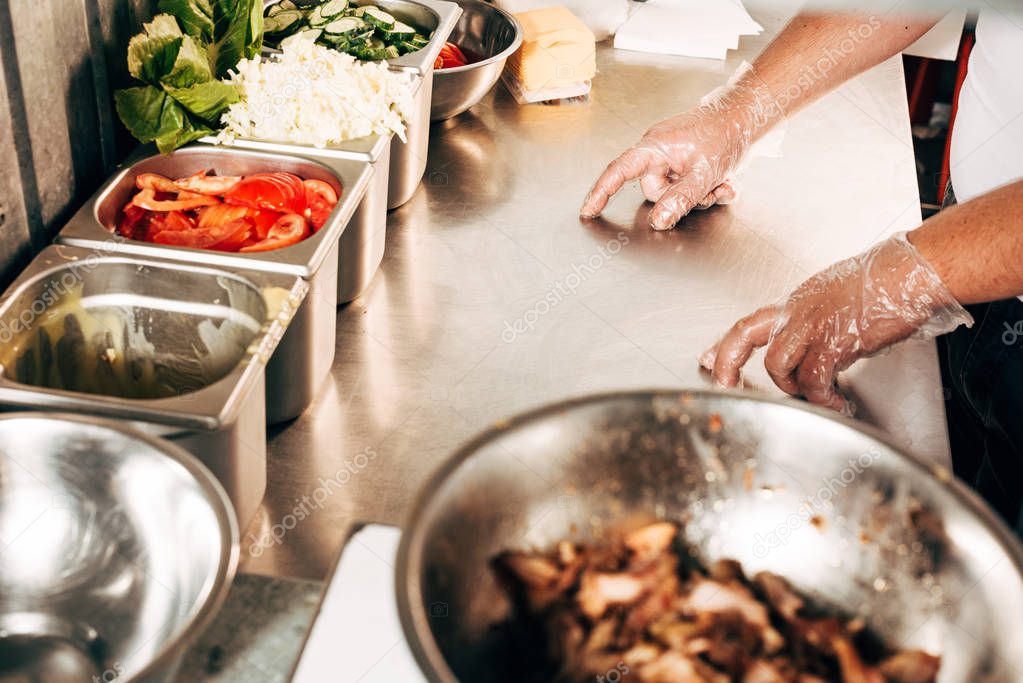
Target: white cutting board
{"x": 357, "y": 635}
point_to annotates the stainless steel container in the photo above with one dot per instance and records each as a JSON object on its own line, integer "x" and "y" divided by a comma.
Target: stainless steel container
{"x": 118, "y": 551}
{"x": 362, "y": 243}
{"x": 305, "y": 355}
{"x": 176, "y": 349}
{"x": 490, "y": 33}
{"x": 847, "y": 517}
{"x": 408, "y": 159}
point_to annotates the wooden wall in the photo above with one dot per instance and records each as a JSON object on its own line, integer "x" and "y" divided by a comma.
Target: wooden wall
{"x": 59, "y": 134}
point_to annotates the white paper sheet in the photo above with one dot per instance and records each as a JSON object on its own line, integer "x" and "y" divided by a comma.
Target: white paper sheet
{"x": 357, "y": 635}
{"x": 690, "y": 28}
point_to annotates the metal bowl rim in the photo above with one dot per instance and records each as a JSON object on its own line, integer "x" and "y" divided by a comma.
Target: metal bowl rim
{"x": 499, "y": 57}
{"x": 227, "y": 566}
{"x": 423, "y": 645}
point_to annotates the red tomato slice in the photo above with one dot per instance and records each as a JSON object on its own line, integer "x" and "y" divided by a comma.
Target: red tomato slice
{"x": 146, "y": 199}
{"x": 283, "y": 192}
{"x": 154, "y": 181}
{"x": 289, "y": 229}
{"x": 135, "y": 223}
{"x": 221, "y": 214}
{"x": 173, "y": 220}
{"x": 263, "y": 220}
{"x": 223, "y": 237}
{"x": 320, "y": 199}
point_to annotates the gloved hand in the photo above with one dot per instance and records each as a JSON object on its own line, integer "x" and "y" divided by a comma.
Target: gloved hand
{"x": 851, "y": 310}
{"x": 683, "y": 163}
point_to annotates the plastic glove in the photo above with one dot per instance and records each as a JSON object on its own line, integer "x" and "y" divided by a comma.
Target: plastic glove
{"x": 683, "y": 162}
{"x": 855, "y": 308}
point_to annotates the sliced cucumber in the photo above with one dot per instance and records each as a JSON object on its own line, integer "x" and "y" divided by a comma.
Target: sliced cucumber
{"x": 287, "y": 4}
{"x": 311, "y": 34}
{"x": 419, "y": 40}
{"x": 374, "y": 54}
{"x": 275, "y": 9}
{"x": 347, "y": 26}
{"x": 398, "y": 33}
{"x": 333, "y": 8}
{"x": 282, "y": 23}
{"x": 377, "y": 17}
{"x": 316, "y": 18}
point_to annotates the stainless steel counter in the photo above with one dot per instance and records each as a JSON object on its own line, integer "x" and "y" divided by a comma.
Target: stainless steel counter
{"x": 494, "y": 297}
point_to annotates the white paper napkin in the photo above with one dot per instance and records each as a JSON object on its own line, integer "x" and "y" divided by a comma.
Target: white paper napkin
{"x": 357, "y": 635}
{"x": 690, "y": 28}
{"x": 600, "y": 16}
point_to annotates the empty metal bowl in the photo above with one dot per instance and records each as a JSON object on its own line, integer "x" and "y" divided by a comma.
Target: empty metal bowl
{"x": 487, "y": 32}
{"x": 116, "y": 550}
{"x": 849, "y": 519}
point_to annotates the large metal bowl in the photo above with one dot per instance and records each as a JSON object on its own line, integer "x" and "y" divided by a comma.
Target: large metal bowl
{"x": 116, "y": 550}
{"x": 834, "y": 507}
{"x": 488, "y": 32}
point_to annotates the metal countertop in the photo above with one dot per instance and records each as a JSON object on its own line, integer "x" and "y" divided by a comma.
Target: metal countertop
{"x": 429, "y": 355}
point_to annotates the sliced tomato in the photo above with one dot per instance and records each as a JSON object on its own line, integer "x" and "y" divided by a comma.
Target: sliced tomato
{"x": 146, "y": 199}
{"x": 263, "y": 220}
{"x": 172, "y": 220}
{"x": 283, "y": 192}
{"x": 202, "y": 183}
{"x": 224, "y": 237}
{"x": 290, "y": 229}
{"x": 320, "y": 199}
{"x": 155, "y": 181}
{"x": 451, "y": 56}
{"x": 135, "y": 223}
{"x": 221, "y": 214}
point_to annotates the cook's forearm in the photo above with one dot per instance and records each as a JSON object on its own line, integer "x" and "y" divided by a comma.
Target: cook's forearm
{"x": 815, "y": 53}
{"x": 977, "y": 247}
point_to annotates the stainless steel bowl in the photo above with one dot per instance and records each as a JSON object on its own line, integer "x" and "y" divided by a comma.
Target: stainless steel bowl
{"x": 488, "y": 32}
{"x": 833, "y": 506}
{"x": 118, "y": 550}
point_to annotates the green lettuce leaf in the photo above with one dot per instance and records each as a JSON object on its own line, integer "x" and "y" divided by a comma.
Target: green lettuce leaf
{"x": 148, "y": 112}
{"x": 231, "y": 30}
{"x": 190, "y": 67}
{"x": 152, "y": 53}
{"x": 206, "y": 100}
{"x": 187, "y": 132}
{"x": 196, "y": 17}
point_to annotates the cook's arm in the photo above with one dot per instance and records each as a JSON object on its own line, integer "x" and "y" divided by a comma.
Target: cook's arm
{"x": 683, "y": 163}
{"x": 910, "y": 285}
{"x": 977, "y": 247}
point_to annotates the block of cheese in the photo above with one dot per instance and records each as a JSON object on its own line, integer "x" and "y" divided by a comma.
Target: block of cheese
{"x": 557, "y": 50}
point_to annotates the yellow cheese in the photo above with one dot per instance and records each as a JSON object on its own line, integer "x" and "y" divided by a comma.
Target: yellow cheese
{"x": 557, "y": 50}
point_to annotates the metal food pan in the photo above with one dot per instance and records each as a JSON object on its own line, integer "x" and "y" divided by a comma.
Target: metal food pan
{"x": 306, "y": 353}
{"x": 173, "y": 348}
{"x": 362, "y": 243}
{"x": 408, "y": 159}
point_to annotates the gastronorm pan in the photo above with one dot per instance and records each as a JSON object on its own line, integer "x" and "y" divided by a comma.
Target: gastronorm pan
{"x": 408, "y": 159}
{"x": 305, "y": 355}
{"x": 176, "y": 349}
{"x": 362, "y": 243}
{"x": 852, "y": 521}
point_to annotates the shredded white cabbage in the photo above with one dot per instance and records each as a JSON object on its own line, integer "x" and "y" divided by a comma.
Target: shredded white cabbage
{"x": 312, "y": 95}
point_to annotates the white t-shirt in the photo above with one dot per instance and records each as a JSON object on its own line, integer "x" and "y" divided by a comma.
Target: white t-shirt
{"x": 987, "y": 140}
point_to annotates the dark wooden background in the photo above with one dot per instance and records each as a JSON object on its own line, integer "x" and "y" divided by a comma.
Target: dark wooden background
{"x": 59, "y": 134}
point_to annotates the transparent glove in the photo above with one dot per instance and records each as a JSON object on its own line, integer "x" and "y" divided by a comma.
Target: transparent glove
{"x": 854, "y": 309}
{"x": 684, "y": 162}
